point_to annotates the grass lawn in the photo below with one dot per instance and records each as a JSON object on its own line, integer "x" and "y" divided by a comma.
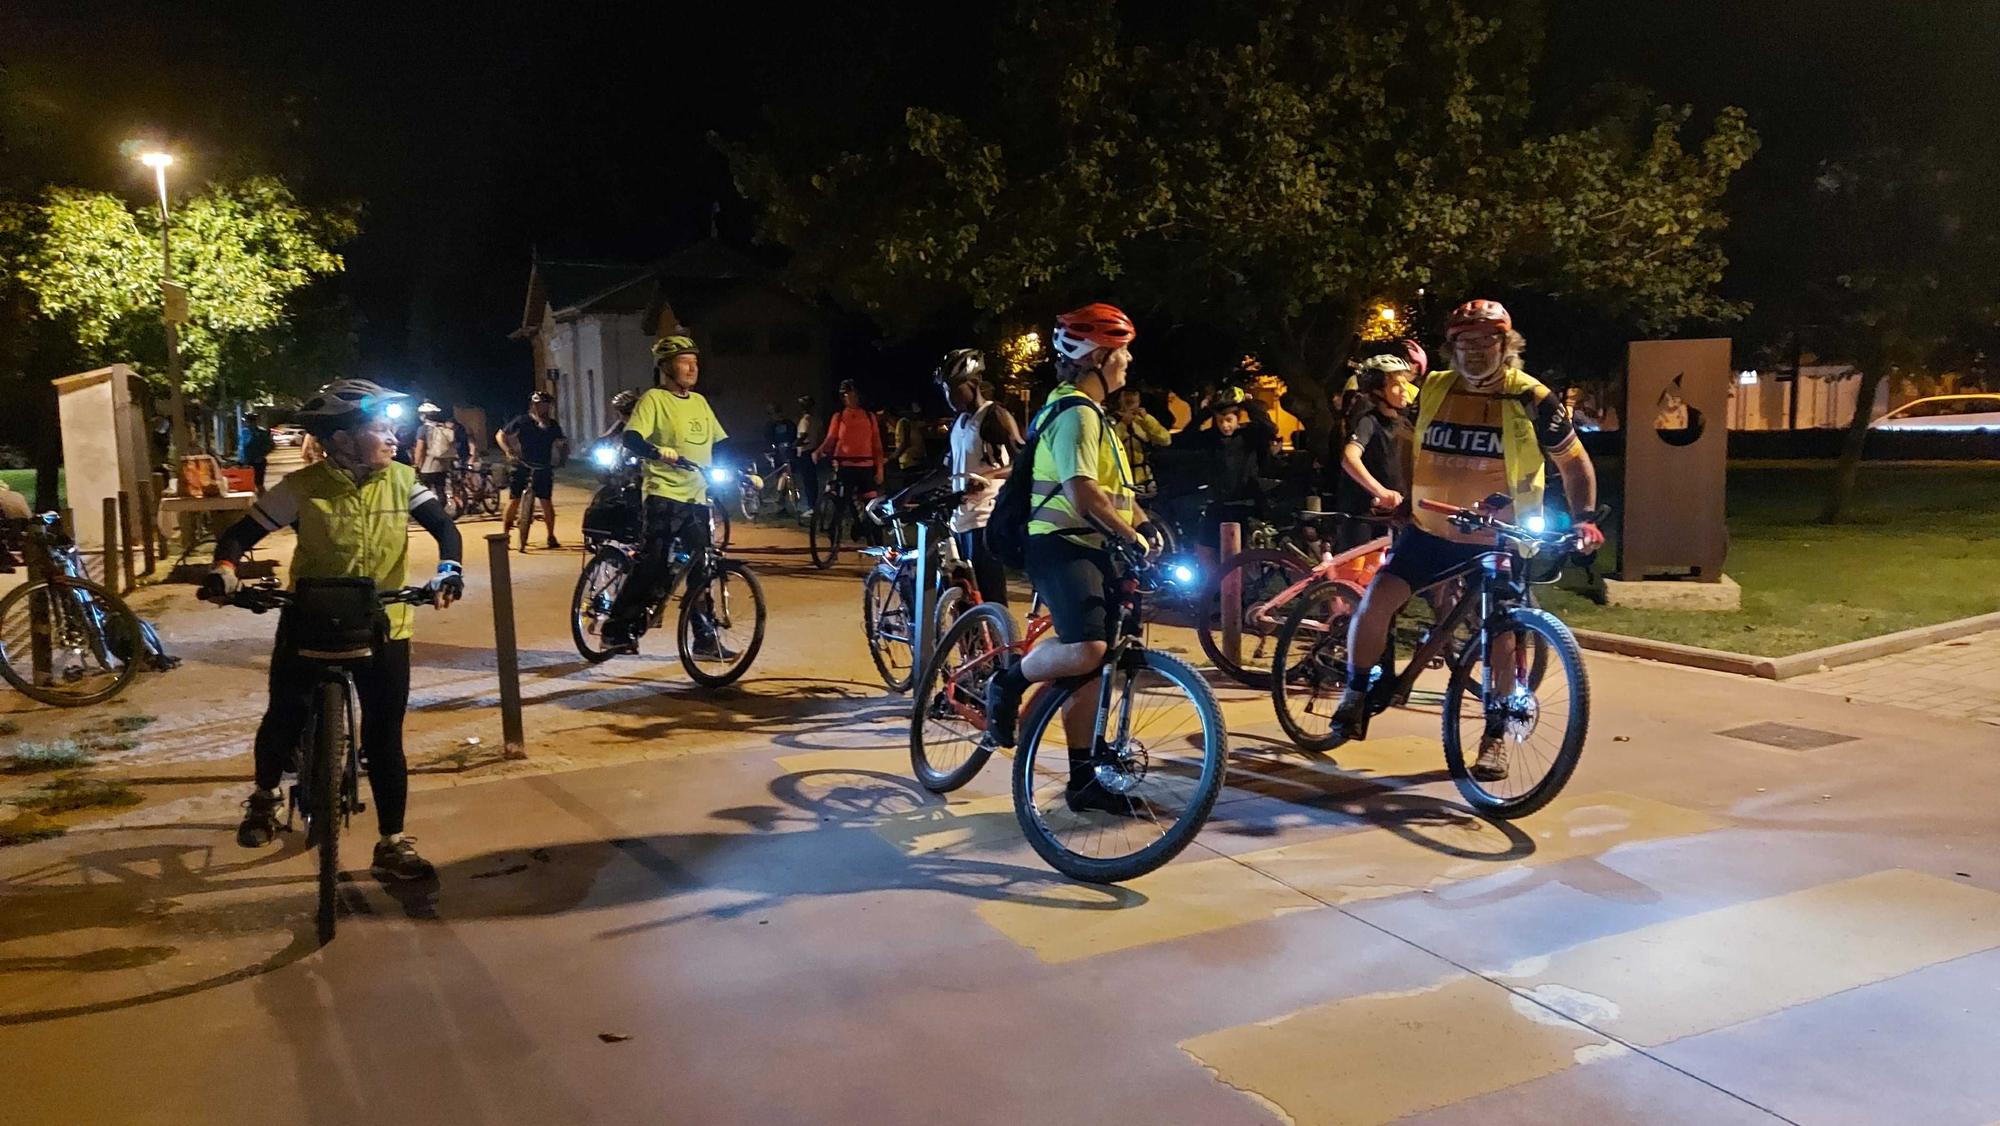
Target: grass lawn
{"x": 1923, "y": 546}
{"x": 23, "y": 481}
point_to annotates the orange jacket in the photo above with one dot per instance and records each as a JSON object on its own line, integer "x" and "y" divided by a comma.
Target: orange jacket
{"x": 853, "y": 438}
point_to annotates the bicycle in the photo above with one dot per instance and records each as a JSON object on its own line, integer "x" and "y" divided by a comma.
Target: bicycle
{"x": 1264, "y": 582}
{"x": 838, "y": 512}
{"x": 1158, "y": 745}
{"x": 737, "y": 629}
{"x": 473, "y": 489}
{"x": 64, "y": 640}
{"x": 889, "y": 593}
{"x": 336, "y": 626}
{"x": 1490, "y": 597}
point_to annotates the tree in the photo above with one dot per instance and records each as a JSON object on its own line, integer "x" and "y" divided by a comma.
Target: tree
{"x": 243, "y": 249}
{"x": 1270, "y": 167}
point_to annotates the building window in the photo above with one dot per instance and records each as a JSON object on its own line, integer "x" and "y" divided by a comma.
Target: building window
{"x": 731, "y": 342}
{"x": 791, "y": 340}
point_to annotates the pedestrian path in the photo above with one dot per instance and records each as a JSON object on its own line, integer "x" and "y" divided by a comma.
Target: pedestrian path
{"x": 1958, "y": 678}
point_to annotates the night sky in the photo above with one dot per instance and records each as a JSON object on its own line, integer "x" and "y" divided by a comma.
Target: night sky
{"x": 478, "y": 134}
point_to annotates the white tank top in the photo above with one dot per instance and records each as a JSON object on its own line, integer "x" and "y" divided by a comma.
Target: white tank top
{"x": 971, "y": 455}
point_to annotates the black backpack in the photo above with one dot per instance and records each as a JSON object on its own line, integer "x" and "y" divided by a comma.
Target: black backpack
{"x": 1007, "y": 528}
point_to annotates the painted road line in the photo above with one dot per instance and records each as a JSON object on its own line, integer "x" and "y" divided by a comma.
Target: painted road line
{"x": 1442, "y": 845}
{"x": 895, "y": 762}
{"x": 1693, "y": 975}
{"x": 1379, "y": 1057}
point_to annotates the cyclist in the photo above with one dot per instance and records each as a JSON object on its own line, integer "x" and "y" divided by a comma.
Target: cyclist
{"x": 621, "y": 405}
{"x": 673, "y": 432}
{"x": 1081, "y": 494}
{"x": 1139, "y": 431}
{"x": 1374, "y": 454}
{"x": 854, "y": 444}
{"x": 983, "y": 441}
{"x": 535, "y": 441}
{"x": 1483, "y": 428}
{"x": 804, "y": 470}
{"x": 437, "y": 444}
{"x": 352, "y": 511}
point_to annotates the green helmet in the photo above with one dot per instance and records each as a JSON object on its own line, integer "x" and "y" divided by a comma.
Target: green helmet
{"x": 667, "y": 347}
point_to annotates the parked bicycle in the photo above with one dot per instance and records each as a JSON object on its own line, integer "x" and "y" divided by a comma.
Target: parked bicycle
{"x": 730, "y": 609}
{"x": 473, "y": 489}
{"x": 836, "y": 519}
{"x": 333, "y": 626}
{"x": 889, "y": 593}
{"x": 1263, "y": 582}
{"x": 1539, "y": 698}
{"x": 1158, "y": 739}
{"x": 65, "y": 640}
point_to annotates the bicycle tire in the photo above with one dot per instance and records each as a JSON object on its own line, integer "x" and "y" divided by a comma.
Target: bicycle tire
{"x": 116, "y": 634}
{"x": 823, "y": 536}
{"x": 719, "y": 525}
{"x": 1208, "y": 620}
{"x": 980, "y": 633}
{"x": 684, "y": 631}
{"x": 585, "y": 588}
{"x": 1047, "y": 706}
{"x": 489, "y": 496}
{"x": 750, "y": 502}
{"x": 323, "y": 800}
{"x": 1557, "y": 639}
{"x": 1292, "y": 688}
{"x": 880, "y": 593}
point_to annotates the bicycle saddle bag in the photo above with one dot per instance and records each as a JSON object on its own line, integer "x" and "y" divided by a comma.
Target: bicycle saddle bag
{"x": 335, "y": 619}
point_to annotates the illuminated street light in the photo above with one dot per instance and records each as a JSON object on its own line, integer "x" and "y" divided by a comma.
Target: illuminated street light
{"x": 177, "y": 441}
{"x": 1387, "y": 313}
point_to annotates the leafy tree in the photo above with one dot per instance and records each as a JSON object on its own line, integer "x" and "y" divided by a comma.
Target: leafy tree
{"x": 1273, "y": 167}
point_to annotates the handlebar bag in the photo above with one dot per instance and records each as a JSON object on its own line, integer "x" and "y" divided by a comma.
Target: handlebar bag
{"x": 334, "y": 619}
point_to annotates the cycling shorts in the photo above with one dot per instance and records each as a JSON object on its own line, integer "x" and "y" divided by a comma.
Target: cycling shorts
{"x": 1422, "y": 559}
{"x": 1074, "y": 579}
{"x": 541, "y": 478}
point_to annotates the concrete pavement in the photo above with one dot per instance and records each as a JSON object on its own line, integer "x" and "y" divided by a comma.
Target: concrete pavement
{"x": 736, "y": 907}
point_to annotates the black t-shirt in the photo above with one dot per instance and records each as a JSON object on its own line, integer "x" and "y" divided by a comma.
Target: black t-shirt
{"x": 781, "y": 433}
{"x": 535, "y": 441}
{"x": 1385, "y": 453}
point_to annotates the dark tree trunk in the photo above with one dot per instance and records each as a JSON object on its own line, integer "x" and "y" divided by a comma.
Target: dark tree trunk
{"x": 1849, "y": 468}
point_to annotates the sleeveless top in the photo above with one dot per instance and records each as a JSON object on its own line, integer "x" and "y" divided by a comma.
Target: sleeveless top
{"x": 970, "y": 454}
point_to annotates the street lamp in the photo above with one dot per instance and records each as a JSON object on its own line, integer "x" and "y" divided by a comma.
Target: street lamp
{"x": 172, "y": 311}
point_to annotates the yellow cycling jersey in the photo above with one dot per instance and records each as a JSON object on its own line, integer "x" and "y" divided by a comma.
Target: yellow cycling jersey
{"x": 1472, "y": 444}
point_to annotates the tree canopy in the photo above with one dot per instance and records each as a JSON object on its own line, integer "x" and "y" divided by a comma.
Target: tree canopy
{"x": 1272, "y": 168}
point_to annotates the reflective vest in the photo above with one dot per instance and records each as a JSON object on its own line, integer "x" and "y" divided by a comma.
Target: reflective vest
{"x": 1520, "y": 449}
{"x": 1049, "y": 510}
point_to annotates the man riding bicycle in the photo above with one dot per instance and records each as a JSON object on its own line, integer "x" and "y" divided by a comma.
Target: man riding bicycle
{"x": 1483, "y": 428}
{"x": 352, "y": 512}
{"x": 982, "y": 444}
{"x": 1081, "y": 499}
{"x": 672, "y": 432}
{"x": 535, "y": 441}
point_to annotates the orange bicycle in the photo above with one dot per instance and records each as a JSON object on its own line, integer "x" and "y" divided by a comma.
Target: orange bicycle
{"x": 947, "y": 729}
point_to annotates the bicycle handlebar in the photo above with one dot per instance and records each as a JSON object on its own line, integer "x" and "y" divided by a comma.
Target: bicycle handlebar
{"x": 1483, "y": 519}
{"x": 261, "y": 597}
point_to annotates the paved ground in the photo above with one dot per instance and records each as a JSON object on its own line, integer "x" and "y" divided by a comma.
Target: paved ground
{"x": 1955, "y": 678}
{"x": 735, "y": 907}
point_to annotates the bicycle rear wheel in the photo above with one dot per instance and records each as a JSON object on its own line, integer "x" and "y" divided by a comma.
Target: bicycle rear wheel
{"x": 722, "y": 626}
{"x": 824, "y": 533}
{"x": 322, "y": 805}
{"x": 1149, "y": 785}
{"x": 886, "y": 621}
{"x": 590, "y": 604}
{"x": 1309, "y": 663}
{"x": 1542, "y": 723}
{"x": 68, "y": 642}
{"x": 948, "y": 721}
{"x": 1264, "y": 574}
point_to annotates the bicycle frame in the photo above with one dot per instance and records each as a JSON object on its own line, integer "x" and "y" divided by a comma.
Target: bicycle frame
{"x": 1496, "y": 589}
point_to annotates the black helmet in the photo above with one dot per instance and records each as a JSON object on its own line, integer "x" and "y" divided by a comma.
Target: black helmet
{"x": 847, "y": 385}
{"x": 961, "y": 365}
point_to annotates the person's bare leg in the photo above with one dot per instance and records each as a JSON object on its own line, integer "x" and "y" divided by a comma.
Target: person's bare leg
{"x": 1080, "y": 717}
{"x": 1368, "y": 629}
{"x": 549, "y": 516}
{"x": 507, "y": 521}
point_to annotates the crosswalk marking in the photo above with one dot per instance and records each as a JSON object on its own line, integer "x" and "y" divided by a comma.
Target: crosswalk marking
{"x": 1445, "y": 845}
{"x": 1379, "y": 1057}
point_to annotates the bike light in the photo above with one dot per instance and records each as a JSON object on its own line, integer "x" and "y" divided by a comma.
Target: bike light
{"x": 393, "y": 410}
{"x": 719, "y": 475}
{"x": 605, "y": 457}
{"x": 1183, "y": 573}
{"x": 1536, "y": 523}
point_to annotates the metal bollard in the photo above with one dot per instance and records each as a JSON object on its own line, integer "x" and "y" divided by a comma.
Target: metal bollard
{"x": 111, "y": 551}
{"x": 125, "y": 541}
{"x": 1231, "y": 545}
{"x": 513, "y": 743}
{"x": 148, "y": 518}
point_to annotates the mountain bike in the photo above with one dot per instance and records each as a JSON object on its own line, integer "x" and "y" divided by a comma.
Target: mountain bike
{"x": 473, "y": 489}
{"x": 65, "y": 640}
{"x": 889, "y": 592}
{"x": 835, "y": 518}
{"x": 1158, "y": 749}
{"x": 720, "y": 628}
{"x": 1539, "y": 701}
{"x": 1263, "y": 582}
{"x": 333, "y": 624}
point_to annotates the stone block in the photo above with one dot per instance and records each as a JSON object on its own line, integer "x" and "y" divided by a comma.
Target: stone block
{"x": 1668, "y": 594}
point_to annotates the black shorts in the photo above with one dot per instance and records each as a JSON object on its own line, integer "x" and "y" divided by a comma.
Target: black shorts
{"x": 1421, "y": 559}
{"x": 541, "y": 478}
{"x": 1074, "y": 579}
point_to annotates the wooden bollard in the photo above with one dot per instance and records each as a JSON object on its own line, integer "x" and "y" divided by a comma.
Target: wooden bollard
{"x": 125, "y": 541}
{"x": 111, "y": 551}
{"x": 513, "y": 742}
{"x": 148, "y": 518}
{"x": 1230, "y": 547}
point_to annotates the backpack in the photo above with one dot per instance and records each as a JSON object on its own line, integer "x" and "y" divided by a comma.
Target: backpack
{"x": 1007, "y": 528}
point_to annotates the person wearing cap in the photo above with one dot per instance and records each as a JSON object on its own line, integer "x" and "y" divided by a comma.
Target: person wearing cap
{"x": 1484, "y": 428}
{"x": 536, "y": 442}
{"x": 437, "y": 448}
{"x": 352, "y": 512}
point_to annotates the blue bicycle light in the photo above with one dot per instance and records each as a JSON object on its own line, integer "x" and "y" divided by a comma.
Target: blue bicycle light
{"x": 605, "y": 457}
{"x": 1536, "y": 523}
{"x": 719, "y": 475}
{"x": 1183, "y": 573}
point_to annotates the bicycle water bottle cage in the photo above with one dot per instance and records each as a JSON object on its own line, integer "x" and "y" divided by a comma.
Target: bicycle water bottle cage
{"x": 335, "y": 619}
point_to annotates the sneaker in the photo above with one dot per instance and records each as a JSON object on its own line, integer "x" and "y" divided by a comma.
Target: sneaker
{"x": 260, "y": 820}
{"x": 398, "y": 860}
{"x": 553, "y": 544}
{"x": 711, "y": 648}
{"x": 1491, "y": 765}
{"x": 1350, "y": 716}
{"x": 1003, "y": 712}
{"x": 1093, "y": 798}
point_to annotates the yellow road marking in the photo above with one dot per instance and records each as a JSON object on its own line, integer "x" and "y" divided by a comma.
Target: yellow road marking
{"x": 1435, "y": 843}
{"x": 1379, "y": 1057}
{"x": 882, "y": 761}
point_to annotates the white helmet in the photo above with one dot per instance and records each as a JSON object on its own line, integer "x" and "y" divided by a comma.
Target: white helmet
{"x": 344, "y": 403}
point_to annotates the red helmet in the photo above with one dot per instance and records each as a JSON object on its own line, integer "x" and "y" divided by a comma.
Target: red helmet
{"x": 1414, "y": 352}
{"x": 1080, "y": 332}
{"x": 1478, "y": 317}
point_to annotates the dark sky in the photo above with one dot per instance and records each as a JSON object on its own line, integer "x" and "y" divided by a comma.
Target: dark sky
{"x": 477, "y": 133}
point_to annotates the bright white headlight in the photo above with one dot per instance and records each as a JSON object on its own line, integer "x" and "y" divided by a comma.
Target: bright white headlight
{"x": 1536, "y": 524}
{"x": 719, "y": 475}
{"x": 604, "y": 456}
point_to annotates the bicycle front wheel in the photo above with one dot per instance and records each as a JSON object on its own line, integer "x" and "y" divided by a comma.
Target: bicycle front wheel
{"x": 1148, "y": 786}
{"x": 718, "y": 523}
{"x": 590, "y": 604}
{"x": 1309, "y": 663}
{"x": 885, "y": 619}
{"x": 1525, "y": 732}
{"x": 68, "y": 642}
{"x": 824, "y": 533}
{"x": 722, "y": 625}
{"x": 1258, "y": 576}
{"x": 329, "y": 752}
{"x": 948, "y": 722}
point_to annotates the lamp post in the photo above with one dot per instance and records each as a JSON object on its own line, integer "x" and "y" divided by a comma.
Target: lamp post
{"x": 177, "y": 438}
